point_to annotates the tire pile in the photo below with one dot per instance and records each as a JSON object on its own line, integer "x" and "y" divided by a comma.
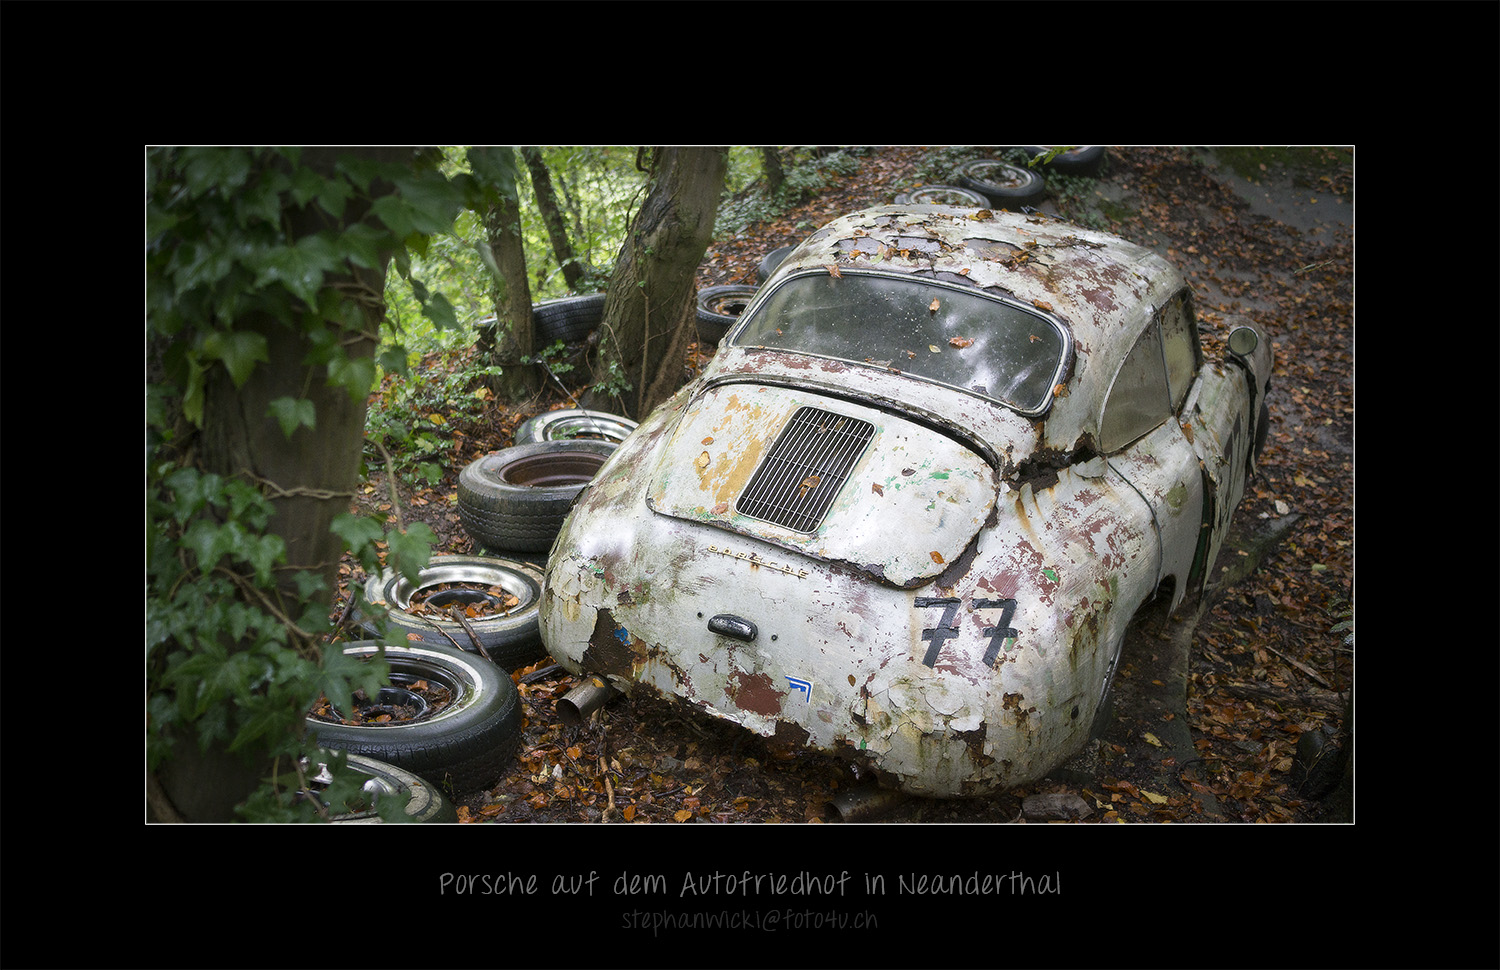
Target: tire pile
{"x": 999, "y": 184}
{"x": 450, "y": 713}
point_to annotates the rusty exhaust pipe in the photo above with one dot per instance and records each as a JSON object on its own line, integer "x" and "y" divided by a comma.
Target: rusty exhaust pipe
{"x": 866, "y": 802}
{"x": 584, "y": 700}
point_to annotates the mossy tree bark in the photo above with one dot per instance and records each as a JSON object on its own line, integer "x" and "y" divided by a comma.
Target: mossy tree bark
{"x": 650, "y": 311}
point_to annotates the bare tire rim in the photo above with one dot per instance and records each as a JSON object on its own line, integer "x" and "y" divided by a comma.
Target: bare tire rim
{"x": 423, "y": 803}
{"x": 945, "y": 195}
{"x": 400, "y": 591}
{"x": 574, "y": 423}
{"x": 1002, "y": 174}
{"x": 448, "y": 671}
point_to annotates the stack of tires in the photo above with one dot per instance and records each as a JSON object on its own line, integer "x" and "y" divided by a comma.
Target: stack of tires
{"x": 514, "y": 501}
{"x": 1005, "y": 185}
{"x": 1013, "y": 186}
{"x": 449, "y": 714}
{"x": 448, "y": 719}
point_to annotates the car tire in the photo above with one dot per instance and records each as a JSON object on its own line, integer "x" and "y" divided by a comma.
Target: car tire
{"x": 515, "y": 500}
{"x": 570, "y": 319}
{"x": 510, "y": 640}
{"x": 574, "y": 424}
{"x": 1085, "y": 160}
{"x": 719, "y": 308}
{"x": 771, "y": 260}
{"x": 1007, "y": 186}
{"x": 424, "y": 802}
{"x": 464, "y": 746}
{"x": 942, "y": 195}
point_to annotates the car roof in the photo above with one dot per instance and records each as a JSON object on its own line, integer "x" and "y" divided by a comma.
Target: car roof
{"x": 1101, "y": 288}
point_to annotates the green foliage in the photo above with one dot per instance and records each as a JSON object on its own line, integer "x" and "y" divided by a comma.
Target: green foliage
{"x": 742, "y": 169}
{"x": 239, "y": 239}
{"x": 808, "y": 171}
{"x": 246, "y": 245}
{"x": 551, "y": 359}
{"x": 408, "y": 420}
{"x": 595, "y": 186}
{"x": 608, "y": 376}
{"x": 227, "y": 654}
{"x": 338, "y": 790}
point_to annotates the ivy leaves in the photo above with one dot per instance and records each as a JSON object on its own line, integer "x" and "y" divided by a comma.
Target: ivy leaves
{"x": 237, "y": 233}
{"x": 250, "y": 252}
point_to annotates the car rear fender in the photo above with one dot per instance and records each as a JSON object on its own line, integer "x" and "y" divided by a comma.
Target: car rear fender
{"x": 1220, "y": 423}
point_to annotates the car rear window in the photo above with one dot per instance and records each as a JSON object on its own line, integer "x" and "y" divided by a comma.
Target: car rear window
{"x": 948, "y": 334}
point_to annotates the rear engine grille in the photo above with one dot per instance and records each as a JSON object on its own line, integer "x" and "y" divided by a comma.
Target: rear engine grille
{"x": 804, "y": 470}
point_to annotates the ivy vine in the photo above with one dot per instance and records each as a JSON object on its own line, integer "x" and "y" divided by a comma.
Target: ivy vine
{"x": 238, "y": 643}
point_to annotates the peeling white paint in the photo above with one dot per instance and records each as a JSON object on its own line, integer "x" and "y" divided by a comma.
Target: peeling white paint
{"x": 953, "y": 618}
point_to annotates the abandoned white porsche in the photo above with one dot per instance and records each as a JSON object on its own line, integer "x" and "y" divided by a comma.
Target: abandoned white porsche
{"x": 909, "y": 509}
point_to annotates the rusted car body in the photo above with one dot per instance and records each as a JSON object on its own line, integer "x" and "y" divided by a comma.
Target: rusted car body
{"x": 910, "y": 507}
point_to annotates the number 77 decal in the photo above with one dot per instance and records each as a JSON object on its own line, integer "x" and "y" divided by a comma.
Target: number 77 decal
{"x": 945, "y": 629}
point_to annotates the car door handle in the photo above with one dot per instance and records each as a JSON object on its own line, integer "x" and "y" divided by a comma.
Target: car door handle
{"x": 730, "y": 625}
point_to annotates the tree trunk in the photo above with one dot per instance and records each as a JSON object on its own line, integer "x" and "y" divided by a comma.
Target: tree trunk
{"x": 557, "y": 233}
{"x": 309, "y": 479}
{"x": 771, "y": 167}
{"x": 512, "y": 339}
{"x": 652, "y": 301}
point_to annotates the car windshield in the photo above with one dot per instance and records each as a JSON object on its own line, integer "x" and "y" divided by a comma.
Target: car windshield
{"x": 949, "y": 334}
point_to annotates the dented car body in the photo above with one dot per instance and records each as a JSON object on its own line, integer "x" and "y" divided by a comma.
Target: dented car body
{"x": 909, "y": 509}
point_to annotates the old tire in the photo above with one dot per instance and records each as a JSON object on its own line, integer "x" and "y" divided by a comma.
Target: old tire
{"x": 570, "y": 319}
{"x": 510, "y": 639}
{"x": 770, "y": 261}
{"x": 719, "y": 308}
{"x": 1007, "y": 186}
{"x": 572, "y": 424}
{"x": 516, "y": 499}
{"x": 1085, "y": 160}
{"x": 462, "y": 746}
{"x": 424, "y": 802}
{"x": 942, "y": 195}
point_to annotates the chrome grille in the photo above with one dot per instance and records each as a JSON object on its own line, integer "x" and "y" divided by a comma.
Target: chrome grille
{"x": 805, "y": 468}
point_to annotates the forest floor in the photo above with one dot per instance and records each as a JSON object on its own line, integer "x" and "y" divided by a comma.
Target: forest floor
{"x": 1213, "y": 702}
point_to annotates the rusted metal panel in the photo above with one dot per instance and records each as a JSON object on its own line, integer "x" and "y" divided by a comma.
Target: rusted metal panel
{"x": 952, "y": 690}
{"x": 909, "y": 507}
{"x": 952, "y": 613}
{"x": 983, "y": 682}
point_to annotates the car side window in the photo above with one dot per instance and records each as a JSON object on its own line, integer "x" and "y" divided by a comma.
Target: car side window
{"x": 1179, "y": 334}
{"x": 1138, "y": 399}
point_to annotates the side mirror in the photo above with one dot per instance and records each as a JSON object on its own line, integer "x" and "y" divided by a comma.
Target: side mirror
{"x": 1243, "y": 341}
